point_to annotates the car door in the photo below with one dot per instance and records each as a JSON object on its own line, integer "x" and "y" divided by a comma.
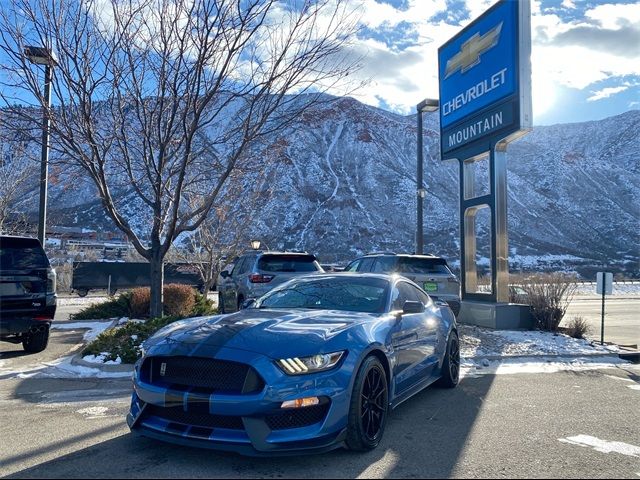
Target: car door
{"x": 409, "y": 340}
{"x": 231, "y": 286}
{"x": 433, "y": 333}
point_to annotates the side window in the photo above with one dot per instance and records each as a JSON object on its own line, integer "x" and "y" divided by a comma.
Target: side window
{"x": 403, "y": 292}
{"x": 353, "y": 266}
{"x": 366, "y": 265}
{"x": 422, "y": 297}
{"x": 384, "y": 265}
{"x": 239, "y": 266}
{"x": 247, "y": 264}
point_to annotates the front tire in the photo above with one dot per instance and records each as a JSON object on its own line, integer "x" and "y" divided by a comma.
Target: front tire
{"x": 369, "y": 406}
{"x": 221, "y": 309}
{"x": 451, "y": 364}
{"x": 36, "y": 342}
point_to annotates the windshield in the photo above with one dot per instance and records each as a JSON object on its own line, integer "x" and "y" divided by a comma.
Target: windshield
{"x": 351, "y": 294}
{"x": 423, "y": 265}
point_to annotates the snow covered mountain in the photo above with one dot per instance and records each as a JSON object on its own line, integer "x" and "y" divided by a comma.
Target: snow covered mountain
{"x": 347, "y": 186}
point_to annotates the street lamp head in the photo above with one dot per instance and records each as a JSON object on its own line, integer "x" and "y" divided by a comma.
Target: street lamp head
{"x": 255, "y": 244}
{"x": 428, "y": 105}
{"x": 41, "y": 56}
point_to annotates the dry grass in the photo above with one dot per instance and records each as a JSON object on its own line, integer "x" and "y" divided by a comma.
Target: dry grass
{"x": 577, "y": 327}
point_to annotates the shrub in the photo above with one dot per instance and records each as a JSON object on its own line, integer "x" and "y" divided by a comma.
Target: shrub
{"x": 178, "y": 299}
{"x": 203, "y": 306}
{"x": 140, "y": 301}
{"x": 115, "y": 307}
{"x": 549, "y": 296}
{"x": 577, "y": 327}
{"x": 125, "y": 341}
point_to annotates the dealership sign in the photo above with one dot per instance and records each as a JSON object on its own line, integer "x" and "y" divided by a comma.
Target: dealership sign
{"x": 485, "y": 81}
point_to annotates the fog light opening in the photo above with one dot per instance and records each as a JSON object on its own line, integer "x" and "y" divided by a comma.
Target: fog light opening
{"x": 301, "y": 402}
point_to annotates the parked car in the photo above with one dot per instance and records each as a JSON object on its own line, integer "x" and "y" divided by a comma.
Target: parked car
{"x": 27, "y": 293}
{"x": 430, "y": 272}
{"x": 315, "y": 364}
{"x": 332, "y": 267}
{"x": 257, "y": 272}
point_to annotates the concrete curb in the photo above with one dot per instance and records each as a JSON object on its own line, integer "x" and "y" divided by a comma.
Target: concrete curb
{"x": 78, "y": 360}
{"x": 547, "y": 357}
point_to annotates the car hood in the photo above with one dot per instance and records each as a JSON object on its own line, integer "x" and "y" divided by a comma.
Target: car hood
{"x": 275, "y": 333}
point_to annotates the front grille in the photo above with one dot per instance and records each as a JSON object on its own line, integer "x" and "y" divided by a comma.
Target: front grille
{"x": 194, "y": 419}
{"x": 204, "y": 374}
{"x": 297, "y": 417}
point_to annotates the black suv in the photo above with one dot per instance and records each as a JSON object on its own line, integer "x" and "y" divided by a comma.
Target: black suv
{"x": 430, "y": 272}
{"x": 27, "y": 293}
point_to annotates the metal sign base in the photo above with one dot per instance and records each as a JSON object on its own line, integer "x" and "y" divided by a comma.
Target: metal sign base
{"x": 470, "y": 205}
{"x": 504, "y": 316}
{"x": 488, "y": 306}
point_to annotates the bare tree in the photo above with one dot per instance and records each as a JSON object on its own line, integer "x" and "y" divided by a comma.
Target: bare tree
{"x": 18, "y": 175}
{"x": 160, "y": 101}
{"x": 227, "y": 231}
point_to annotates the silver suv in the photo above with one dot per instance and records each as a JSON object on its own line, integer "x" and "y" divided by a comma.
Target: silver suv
{"x": 430, "y": 272}
{"x": 257, "y": 272}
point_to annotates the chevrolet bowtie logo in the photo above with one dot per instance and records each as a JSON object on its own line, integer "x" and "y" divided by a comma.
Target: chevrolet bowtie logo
{"x": 470, "y": 51}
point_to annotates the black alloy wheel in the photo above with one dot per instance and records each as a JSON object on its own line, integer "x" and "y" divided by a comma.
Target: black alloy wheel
{"x": 369, "y": 406}
{"x": 451, "y": 364}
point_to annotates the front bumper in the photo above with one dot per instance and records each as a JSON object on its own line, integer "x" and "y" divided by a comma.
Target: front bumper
{"x": 248, "y": 424}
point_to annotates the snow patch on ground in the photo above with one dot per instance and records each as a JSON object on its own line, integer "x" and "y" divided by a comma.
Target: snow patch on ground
{"x": 483, "y": 342}
{"x": 95, "y": 328}
{"x": 84, "y": 301}
{"x": 473, "y": 368}
{"x": 630, "y": 288}
{"x": 102, "y": 359}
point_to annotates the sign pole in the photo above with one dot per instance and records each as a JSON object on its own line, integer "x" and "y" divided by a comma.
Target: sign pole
{"x": 602, "y": 325}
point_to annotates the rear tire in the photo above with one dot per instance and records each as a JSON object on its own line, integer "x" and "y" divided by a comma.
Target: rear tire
{"x": 82, "y": 292}
{"x": 36, "y": 342}
{"x": 369, "y": 406}
{"x": 451, "y": 364}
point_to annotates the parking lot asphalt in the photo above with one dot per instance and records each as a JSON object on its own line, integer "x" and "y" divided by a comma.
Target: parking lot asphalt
{"x": 565, "y": 424}
{"x": 503, "y": 426}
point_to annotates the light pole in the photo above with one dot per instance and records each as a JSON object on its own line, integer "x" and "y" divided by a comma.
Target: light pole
{"x": 43, "y": 56}
{"x": 427, "y": 105}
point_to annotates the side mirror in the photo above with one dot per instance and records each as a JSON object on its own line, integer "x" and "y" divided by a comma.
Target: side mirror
{"x": 412, "y": 307}
{"x": 225, "y": 274}
{"x": 440, "y": 303}
{"x": 247, "y": 303}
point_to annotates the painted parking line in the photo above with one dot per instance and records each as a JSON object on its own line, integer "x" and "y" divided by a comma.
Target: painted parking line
{"x": 603, "y": 446}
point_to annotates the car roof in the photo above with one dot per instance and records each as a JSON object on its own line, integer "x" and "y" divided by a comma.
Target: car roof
{"x": 390, "y": 254}
{"x": 275, "y": 252}
{"x": 31, "y": 241}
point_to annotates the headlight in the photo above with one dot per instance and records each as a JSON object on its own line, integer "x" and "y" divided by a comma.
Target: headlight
{"x": 313, "y": 364}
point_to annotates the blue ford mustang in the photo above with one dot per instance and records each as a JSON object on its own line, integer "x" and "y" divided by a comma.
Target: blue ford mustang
{"x": 313, "y": 365}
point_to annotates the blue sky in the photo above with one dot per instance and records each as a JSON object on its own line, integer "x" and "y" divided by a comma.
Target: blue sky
{"x": 585, "y": 54}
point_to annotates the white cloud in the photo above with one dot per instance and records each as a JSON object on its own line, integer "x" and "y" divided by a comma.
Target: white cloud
{"x": 606, "y": 93}
{"x": 569, "y": 53}
{"x": 615, "y": 15}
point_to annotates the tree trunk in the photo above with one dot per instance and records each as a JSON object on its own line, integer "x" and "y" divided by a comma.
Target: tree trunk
{"x": 157, "y": 281}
